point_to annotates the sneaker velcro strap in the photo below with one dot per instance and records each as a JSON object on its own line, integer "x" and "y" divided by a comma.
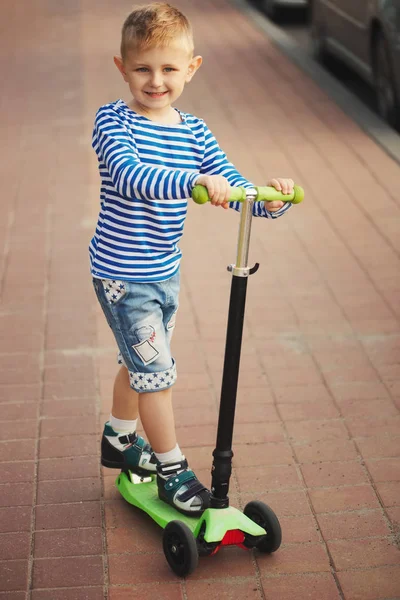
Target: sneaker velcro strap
{"x": 176, "y": 481}
{"x": 169, "y": 468}
{"x": 131, "y": 438}
{"x": 194, "y": 488}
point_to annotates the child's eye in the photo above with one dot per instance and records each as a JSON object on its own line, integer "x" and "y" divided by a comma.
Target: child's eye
{"x": 141, "y": 70}
{"x": 169, "y": 69}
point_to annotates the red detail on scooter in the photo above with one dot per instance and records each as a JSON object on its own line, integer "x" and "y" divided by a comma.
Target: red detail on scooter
{"x": 234, "y": 537}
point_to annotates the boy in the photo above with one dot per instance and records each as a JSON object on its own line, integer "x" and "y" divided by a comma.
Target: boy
{"x": 150, "y": 157}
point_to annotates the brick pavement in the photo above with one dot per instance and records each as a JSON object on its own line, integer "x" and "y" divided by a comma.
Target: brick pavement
{"x": 317, "y": 433}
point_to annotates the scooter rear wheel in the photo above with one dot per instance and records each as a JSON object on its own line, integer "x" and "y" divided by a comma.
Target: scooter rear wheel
{"x": 180, "y": 548}
{"x": 265, "y": 517}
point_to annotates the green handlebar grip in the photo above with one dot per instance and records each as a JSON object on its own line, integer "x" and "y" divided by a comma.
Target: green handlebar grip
{"x": 270, "y": 194}
{"x": 200, "y": 194}
{"x": 238, "y": 194}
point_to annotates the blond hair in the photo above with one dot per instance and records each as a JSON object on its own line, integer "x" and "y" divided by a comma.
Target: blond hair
{"x": 156, "y": 24}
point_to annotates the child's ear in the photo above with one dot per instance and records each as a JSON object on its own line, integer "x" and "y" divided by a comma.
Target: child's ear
{"x": 120, "y": 66}
{"x": 194, "y": 64}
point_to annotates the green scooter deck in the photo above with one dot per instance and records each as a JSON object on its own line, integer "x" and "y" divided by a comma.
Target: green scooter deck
{"x": 218, "y": 521}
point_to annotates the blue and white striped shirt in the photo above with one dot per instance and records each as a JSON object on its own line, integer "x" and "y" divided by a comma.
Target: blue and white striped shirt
{"x": 148, "y": 171}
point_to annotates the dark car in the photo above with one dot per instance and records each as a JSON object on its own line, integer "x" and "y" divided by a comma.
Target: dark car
{"x": 365, "y": 34}
{"x": 274, "y": 8}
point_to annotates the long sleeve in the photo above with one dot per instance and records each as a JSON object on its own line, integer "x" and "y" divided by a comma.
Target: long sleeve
{"x": 215, "y": 162}
{"x": 133, "y": 179}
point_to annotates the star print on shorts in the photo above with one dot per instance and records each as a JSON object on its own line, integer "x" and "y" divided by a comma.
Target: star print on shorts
{"x": 114, "y": 289}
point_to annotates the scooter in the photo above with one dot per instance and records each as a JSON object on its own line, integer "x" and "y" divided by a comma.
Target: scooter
{"x": 186, "y": 538}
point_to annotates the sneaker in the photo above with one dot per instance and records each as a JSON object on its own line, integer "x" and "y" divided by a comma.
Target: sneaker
{"x": 179, "y": 487}
{"x": 125, "y": 452}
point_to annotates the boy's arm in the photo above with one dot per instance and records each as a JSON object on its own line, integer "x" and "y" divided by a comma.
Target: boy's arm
{"x": 215, "y": 162}
{"x": 132, "y": 178}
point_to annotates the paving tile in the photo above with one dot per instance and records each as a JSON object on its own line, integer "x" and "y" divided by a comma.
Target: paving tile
{"x": 284, "y": 503}
{"x": 329, "y": 474}
{"x": 299, "y": 529}
{"x": 373, "y": 427}
{"x": 258, "y": 432}
{"x": 16, "y": 494}
{"x": 255, "y": 412}
{"x": 394, "y": 516}
{"x": 303, "y": 411}
{"x": 15, "y": 518}
{"x": 69, "y": 490}
{"x": 274, "y": 453}
{"x": 68, "y": 516}
{"x": 13, "y": 575}
{"x": 81, "y": 593}
{"x": 315, "y": 586}
{"x": 19, "y": 472}
{"x": 16, "y": 430}
{"x": 167, "y": 591}
{"x": 359, "y": 390}
{"x": 17, "y": 450}
{"x": 295, "y": 558}
{"x": 69, "y": 408}
{"x": 15, "y": 545}
{"x": 383, "y": 407}
{"x": 371, "y": 584}
{"x": 68, "y": 468}
{"x": 223, "y": 589}
{"x": 389, "y": 492}
{"x": 354, "y": 524}
{"x": 303, "y": 393}
{"x": 12, "y": 411}
{"x": 67, "y": 446}
{"x": 68, "y": 572}
{"x": 121, "y": 572}
{"x": 315, "y": 431}
{"x": 21, "y": 392}
{"x": 325, "y": 451}
{"x": 73, "y": 426}
{"x": 64, "y": 542}
{"x": 356, "y": 554}
{"x": 196, "y": 435}
{"x": 145, "y": 536}
{"x": 336, "y": 499}
{"x": 54, "y": 390}
{"x": 379, "y": 447}
{"x": 268, "y": 477}
{"x": 385, "y": 469}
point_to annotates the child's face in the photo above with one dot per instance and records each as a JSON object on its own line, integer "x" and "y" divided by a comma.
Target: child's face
{"x": 157, "y": 76}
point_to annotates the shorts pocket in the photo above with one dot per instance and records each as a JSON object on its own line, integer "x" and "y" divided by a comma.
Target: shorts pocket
{"x": 114, "y": 290}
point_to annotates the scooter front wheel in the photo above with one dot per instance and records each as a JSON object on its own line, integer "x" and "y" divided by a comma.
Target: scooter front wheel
{"x": 180, "y": 548}
{"x": 264, "y": 516}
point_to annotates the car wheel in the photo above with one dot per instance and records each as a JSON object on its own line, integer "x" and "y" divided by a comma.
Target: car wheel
{"x": 385, "y": 90}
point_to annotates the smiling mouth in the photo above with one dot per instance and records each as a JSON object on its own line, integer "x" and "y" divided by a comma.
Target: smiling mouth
{"x": 156, "y": 94}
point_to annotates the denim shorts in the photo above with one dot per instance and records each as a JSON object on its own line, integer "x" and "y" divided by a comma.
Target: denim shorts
{"x": 142, "y": 319}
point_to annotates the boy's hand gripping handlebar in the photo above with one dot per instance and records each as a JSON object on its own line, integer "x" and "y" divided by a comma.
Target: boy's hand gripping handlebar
{"x": 258, "y": 194}
{"x": 248, "y": 197}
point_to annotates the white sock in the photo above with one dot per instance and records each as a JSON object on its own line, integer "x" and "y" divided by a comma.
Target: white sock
{"x": 122, "y": 426}
{"x": 174, "y": 455}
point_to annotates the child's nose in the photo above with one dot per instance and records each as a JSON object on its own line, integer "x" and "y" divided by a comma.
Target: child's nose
{"x": 156, "y": 79}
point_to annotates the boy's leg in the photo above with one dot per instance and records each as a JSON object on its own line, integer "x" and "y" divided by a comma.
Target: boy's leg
{"x": 157, "y": 417}
{"x": 177, "y": 484}
{"x": 125, "y": 399}
{"x": 121, "y": 446}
